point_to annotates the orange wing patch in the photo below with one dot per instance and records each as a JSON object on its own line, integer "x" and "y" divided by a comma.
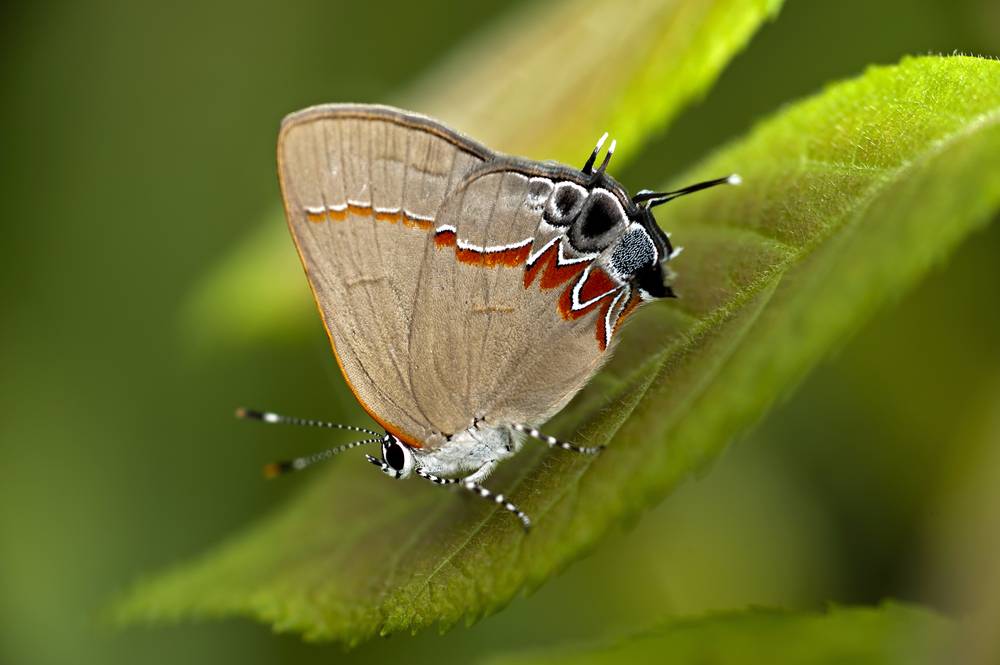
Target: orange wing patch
{"x": 489, "y": 256}
{"x": 553, "y": 274}
{"x": 598, "y": 284}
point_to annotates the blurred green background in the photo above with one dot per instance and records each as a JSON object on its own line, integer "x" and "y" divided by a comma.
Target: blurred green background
{"x": 139, "y": 150}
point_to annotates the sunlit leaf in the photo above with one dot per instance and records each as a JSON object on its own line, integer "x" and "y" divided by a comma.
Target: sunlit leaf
{"x": 545, "y": 84}
{"x": 888, "y": 635}
{"x": 848, "y": 198}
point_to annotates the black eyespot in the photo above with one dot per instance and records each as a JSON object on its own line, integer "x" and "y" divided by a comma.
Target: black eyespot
{"x": 565, "y": 204}
{"x": 634, "y": 253}
{"x": 599, "y": 223}
{"x": 393, "y": 455}
{"x": 601, "y": 217}
{"x": 566, "y": 199}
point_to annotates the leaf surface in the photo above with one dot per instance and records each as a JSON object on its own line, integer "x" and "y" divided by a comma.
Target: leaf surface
{"x": 891, "y": 634}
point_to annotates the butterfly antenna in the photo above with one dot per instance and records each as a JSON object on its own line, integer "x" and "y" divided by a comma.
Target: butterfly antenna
{"x": 659, "y": 198}
{"x": 282, "y": 467}
{"x": 557, "y": 443}
{"x": 588, "y": 168}
{"x": 479, "y": 491}
{"x": 278, "y": 419}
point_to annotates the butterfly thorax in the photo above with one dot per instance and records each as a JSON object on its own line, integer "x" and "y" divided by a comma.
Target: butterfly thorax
{"x": 479, "y": 447}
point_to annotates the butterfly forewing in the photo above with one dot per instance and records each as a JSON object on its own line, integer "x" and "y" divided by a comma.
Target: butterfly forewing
{"x": 362, "y": 188}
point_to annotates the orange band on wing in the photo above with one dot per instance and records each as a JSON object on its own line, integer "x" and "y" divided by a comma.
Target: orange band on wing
{"x": 553, "y": 274}
{"x": 506, "y": 257}
{"x": 400, "y": 217}
{"x": 445, "y": 238}
{"x": 340, "y": 213}
{"x": 566, "y": 305}
{"x": 598, "y": 283}
{"x": 487, "y": 257}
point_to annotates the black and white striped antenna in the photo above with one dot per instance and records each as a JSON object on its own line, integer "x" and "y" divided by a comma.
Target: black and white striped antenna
{"x": 298, "y": 463}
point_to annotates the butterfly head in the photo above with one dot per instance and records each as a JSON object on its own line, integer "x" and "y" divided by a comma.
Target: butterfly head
{"x": 397, "y": 457}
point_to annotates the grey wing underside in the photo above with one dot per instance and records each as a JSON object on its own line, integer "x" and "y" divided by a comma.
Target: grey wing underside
{"x": 363, "y": 187}
{"x": 489, "y": 346}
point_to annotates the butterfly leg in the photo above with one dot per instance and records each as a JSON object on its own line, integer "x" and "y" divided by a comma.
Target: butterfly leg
{"x": 482, "y": 472}
{"x": 557, "y": 443}
{"x": 479, "y": 490}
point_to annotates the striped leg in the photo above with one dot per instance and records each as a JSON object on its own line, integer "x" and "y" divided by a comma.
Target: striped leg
{"x": 556, "y": 443}
{"x": 481, "y": 491}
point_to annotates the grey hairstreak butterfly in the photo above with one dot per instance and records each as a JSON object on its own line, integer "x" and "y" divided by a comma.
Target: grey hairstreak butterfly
{"x": 467, "y": 295}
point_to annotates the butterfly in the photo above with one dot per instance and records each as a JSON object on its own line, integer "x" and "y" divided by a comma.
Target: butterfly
{"x": 467, "y": 295}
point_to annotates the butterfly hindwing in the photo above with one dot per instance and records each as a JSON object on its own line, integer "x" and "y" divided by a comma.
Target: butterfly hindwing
{"x": 493, "y": 341}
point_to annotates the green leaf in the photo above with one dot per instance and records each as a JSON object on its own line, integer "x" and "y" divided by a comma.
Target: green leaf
{"x": 892, "y": 634}
{"x": 849, "y": 198}
{"x": 545, "y": 84}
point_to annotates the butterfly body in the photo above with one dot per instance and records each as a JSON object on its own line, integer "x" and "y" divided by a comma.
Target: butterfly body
{"x": 471, "y": 454}
{"x": 467, "y": 295}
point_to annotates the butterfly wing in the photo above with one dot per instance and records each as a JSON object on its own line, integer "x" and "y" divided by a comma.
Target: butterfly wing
{"x": 362, "y": 187}
{"x": 495, "y": 334}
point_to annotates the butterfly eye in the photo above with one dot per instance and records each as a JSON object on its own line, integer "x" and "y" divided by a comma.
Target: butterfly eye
{"x": 398, "y": 456}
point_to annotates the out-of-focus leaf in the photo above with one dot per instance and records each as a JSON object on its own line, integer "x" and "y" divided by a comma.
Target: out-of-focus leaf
{"x": 545, "y": 84}
{"x": 963, "y": 538}
{"x": 849, "y": 197}
{"x": 888, "y": 635}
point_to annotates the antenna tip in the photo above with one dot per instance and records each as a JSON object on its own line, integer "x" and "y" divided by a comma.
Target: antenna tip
{"x": 735, "y": 179}
{"x": 275, "y": 469}
{"x": 244, "y": 413}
